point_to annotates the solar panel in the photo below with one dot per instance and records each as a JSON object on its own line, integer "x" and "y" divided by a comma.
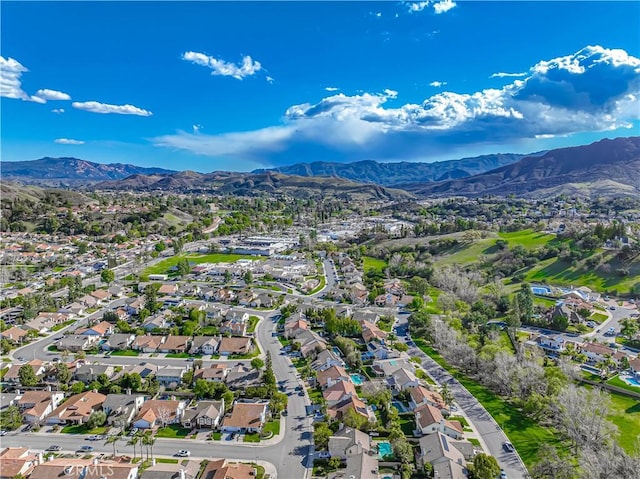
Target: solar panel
{"x": 445, "y": 444}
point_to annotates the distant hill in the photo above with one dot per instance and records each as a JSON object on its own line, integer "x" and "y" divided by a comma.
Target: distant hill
{"x": 224, "y": 182}
{"x": 69, "y": 171}
{"x": 607, "y": 168}
{"x": 391, "y": 174}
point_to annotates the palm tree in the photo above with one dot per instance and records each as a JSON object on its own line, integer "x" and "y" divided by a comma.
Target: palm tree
{"x": 113, "y": 440}
{"x": 132, "y": 442}
{"x": 148, "y": 440}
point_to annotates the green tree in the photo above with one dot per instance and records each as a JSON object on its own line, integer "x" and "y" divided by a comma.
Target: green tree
{"x": 227, "y": 276}
{"x": 108, "y": 276}
{"x": 77, "y": 387}
{"x": 63, "y": 375}
{"x": 10, "y": 418}
{"x": 184, "y": 268}
{"x": 257, "y": 363}
{"x": 5, "y": 346}
{"x": 485, "y": 467}
{"x": 321, "y": 434}
{"x": 96, "y": 419}
{"x": 447, "y": 397}
{"x": 334, "y": 462}
{"x": 151, "y": 295}
{"x": 134, "y": 442}
{"x": 112, "y": 440}
{"x": 27, "y": 376}
{"x": 248, "y": 277}
{"x": 524, "y": 297}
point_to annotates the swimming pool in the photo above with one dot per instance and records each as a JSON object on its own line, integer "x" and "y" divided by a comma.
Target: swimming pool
{"x": 540, "y": 290}
{"x": 631, "y": 381}
{"x": 399, "y": 406}
{"x": 384, "y": 449}
{"x": 356, "y": 379}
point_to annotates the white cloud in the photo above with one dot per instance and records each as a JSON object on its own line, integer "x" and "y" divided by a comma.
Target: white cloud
{"x": 47, "y": 94}
{"x": 196, "y": 128}
{"x": 247, "y": 68}
{"x": 97, "y": 107}
{"x": 437, "y": 84}
{"x": 58, "y": 110}
{"x": 507, "y": 75}
{"x": 595, "y": 89}
{"x": 270, "y": 79}
{"x": 443, "y": 6}
{"x": 11, "y": 71}
{"x": 417, "y": 6}
{"x": 67, "y": 141}
{"x": 331, "y": 88}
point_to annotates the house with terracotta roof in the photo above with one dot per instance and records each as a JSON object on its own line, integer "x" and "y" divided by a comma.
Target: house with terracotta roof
{"x": 430, "y": 420}
{"x": 101, "y": 329}
{"x": 340, "y": 410}
{"x": 77, "y": 342}
{"x": 332, "y": 375}
{"x": 156, "y": 412}
{"x": 16, "y": 461}
{"x": 77, "y": 409}
{"x": 420, "y": 395}
{"x": 339, "y": 392}
{"x": 246, "y": 417}
{"x": 175, "y": 344}
{"x": 634, "y": 366}
{"x": 14, "y": 335}
{"x": 371, "y": 332}
{"x": 102, "y": 295}
{"x": 234, "y": 345}
{"x": 216, "y": 372}
{"x": 168, "y": 289}
{"x": 13, "y": 374}
{"x": 438, "y": 448}
{"x": 206, "y": 345}
{"x": 147, "y": 343}
{"x": 76, "y": 468}
{"x": 596, "y": 352}
{"x": 36, "y": 405}
{"x": 291, "y": 328}
{"x": 325, "y": 359}
{"x": 222, "y": 469}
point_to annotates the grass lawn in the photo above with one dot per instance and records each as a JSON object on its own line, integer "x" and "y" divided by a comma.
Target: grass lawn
{"x": 284, "y": 341}
{"x": 407, "y": 424}
{"x": 253, "y": 321}
{"x": 598, "y": 317}
{"x": 166, "y": 460}
{"x": 616, "y": 381}
{"x": 474, "y": 441}
{"x": 315, "y": 396}
{"x": 527, "y": 238}
{"x": 272, "y": 427}
{"x": 626, "y": 415}
{"x": 216, "y": 436}
{"x": 163, "y": 266}
{"x": 173, "y": 431}
{"x": 251, "y": 355}
{"x": 82, "y": 429}
{"x": 525, "y": 434}
{"x": 253, "y": 437}
{"x": 373, "y": 264}
{"x": 385, "y": 325}
{"x": 125, "y": 352}
{"x": 58, "y": 327}
{"x": 322, "y": 283}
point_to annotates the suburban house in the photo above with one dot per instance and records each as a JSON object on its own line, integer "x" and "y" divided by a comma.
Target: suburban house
{"x": 101, "y": 295}
{"x": 419, "y": 395}
{"x": 349, "y": 441}
{"x": 36, "y": 405}
{"x": 330, "y": 376}
{"x": 143, "y": 369}
{"x": 430, "y": 420}
{"x": 371, "y": 332}
{"x": 234, "y": 345}
{"x": 339, "y": 392}
{"x": 402, "y": 379}
{"x": 205, "y": 415}
{"x": 240, "y": 376}
{"x": 206, "y": 345}
{"x": 325, "y": 359}
{"x": 221, "y": 469}
{"x": 75, "y": 343}
{"x": 155, "y": 412}
{"x": 596, "y": 353}
{"x": 441, "y": 452}
{"x": 555, "y": 343}
{"x": 17, "y": 462}
{"x": 216, "y": 372}
{"x": 291, "y": 328}
{"x": 118, "y": 342}
{"x": 90, "y": 372}
{"x": 634, "y": 366}
{"x": 122, "y": 408}
{"x": 101, "y": 329}
{"x": 77, "y": 409}
{"x": 170, "y": 289}
{"x": 339, "y": 411}
{"x": 235, "y": 327}
{"x": 169, "y": 376}
{"x": 386, "y": 367}
{"x": 246, "y": 417}
{"x": 361, "y": 466}
{"x": 14, "y": 335}
{"x": 147, "y": 344}
{"x": 13, "y": 374}
{"x": 72, "y": 468}
{"x": 175, "y": 344}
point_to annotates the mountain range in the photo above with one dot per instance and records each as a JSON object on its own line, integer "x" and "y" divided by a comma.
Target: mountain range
{"x": 607, "y": 167}
{"x": 70, "y": 171}
{"x": 392, "y": 174}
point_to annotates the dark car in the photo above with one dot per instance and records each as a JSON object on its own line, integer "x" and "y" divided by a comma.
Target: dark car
{"x": 508, "y": 446}
{"x": 53, "y": 448}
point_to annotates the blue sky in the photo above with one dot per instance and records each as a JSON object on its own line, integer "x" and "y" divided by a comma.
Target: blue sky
{"x": 242, "y": 85}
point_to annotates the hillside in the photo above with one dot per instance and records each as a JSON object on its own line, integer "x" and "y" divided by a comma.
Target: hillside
{"x": 249, "y": 184}
{"x": 607, "y": 167}
{"x": 57, "y": 171}
{"x": 391, "y": 174}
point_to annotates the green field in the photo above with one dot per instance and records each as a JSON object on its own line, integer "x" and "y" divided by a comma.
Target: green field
{"x": 626, "y": 415}
{"x": 253, "y": 321}
{"x": 616, "y": 381}
{"x": 163, "y": 266}
{"x": 525, "y": 434}
{"x": 173, "y": 431}
{"x": 272, "y": 427}
{"x": 527, "y": 238}
{"x": 373, "y": 264}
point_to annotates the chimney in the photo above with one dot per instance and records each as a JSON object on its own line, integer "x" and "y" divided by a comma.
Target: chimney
{"x": 182, "y": 474}
{"x": 95, "y": 461}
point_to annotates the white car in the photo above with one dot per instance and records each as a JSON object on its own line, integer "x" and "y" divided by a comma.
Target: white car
{"x": 183, "y": 453}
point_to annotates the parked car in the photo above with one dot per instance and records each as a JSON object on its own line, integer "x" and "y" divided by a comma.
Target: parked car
{"x": 507, "y": 446}
{"x": 503, "y": 475}
{"x": 3, "y": 432}
{"x": 93, "y": 438}
{"x": 53, "y": 448}
{"x": 85, "y": 448}
{"x": 183, "y": 453}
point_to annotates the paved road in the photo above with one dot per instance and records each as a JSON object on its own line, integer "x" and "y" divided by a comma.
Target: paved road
{"x": 483, "y": 422}
{"x": 290, "y": 454}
